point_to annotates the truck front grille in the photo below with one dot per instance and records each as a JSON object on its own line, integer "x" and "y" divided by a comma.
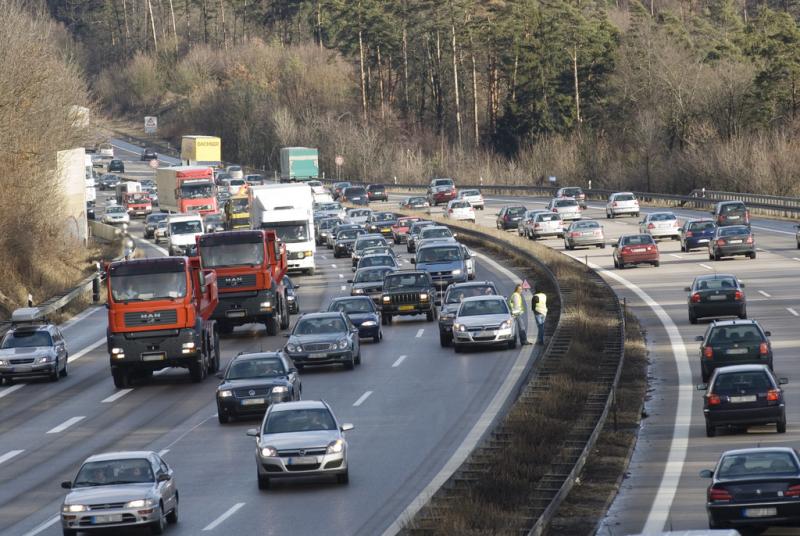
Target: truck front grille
{"x": 236, "y": 281}
{"x": 151, "y": 318}
{"x": 405, "y": 298}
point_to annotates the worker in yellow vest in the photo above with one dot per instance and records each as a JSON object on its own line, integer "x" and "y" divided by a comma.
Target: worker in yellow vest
{"x": 539, "y": 305}
{"x": 517, "y": 306}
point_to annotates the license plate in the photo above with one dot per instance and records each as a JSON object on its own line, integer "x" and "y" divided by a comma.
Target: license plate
{"x": 717, "y": 298}
{"x": 385, "y": 230}
{"x": 406, "y": 308}
{"x": 733, "y": 217}
{"x": 590, "y": 233}
{"x": 154, "y": 357}
{"x": 734, "y": 241}
{"x": 303, "y": 460}
{"x": 639, "y": 250}
{"x": 702, "y": 240}
{"x": 737, "y": 351}
{"x": 235, "y": 314}
{"x": 318, "y": 356}
{"x": 115, "y": 518}
{"x": 760, "y": 512}
{"x": 741, "y": 399}
{"x": 253, "y": 402}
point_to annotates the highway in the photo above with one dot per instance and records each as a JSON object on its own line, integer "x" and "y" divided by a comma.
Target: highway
{"x": 413, "y": 404}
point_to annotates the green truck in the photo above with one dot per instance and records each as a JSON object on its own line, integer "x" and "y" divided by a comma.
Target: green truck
{"x": 299, "y": 164}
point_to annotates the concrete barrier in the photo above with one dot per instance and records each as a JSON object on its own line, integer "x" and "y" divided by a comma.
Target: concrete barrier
{"x": 103, "y": 231}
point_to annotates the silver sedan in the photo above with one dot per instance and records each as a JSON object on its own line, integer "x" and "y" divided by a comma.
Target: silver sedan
{"x": 584, "y": 233}
{"x": 300, "y": 439}
{"x": 484, "y": 321}
{"x": 120, "y": 489}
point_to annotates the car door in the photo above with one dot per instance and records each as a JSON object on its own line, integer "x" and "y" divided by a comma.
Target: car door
{"x": 167, "y": 490}
{"x": 353, "y": 334}
{"x": 469, "y": 260}
{"x": 61, "y": 346}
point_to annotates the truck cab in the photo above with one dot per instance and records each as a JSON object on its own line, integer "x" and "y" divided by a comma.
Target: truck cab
{"x": 137, "y": 204}
{"x": 182, "y": 233}
{"x": 124, "y": 188}
{"x": 237, "y": 213}
{"x": 159, "y": 316}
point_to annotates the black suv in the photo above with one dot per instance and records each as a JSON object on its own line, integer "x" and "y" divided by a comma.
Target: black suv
{"x": 452, "y": 301}
{"x": 377, "y": 192}
{"x": 731, "y": 213}
{"x": 343, "y": 245}
{"x": 408, "y": 292}
{"x": 733, "y": 342}
{"x": 381, "y": 222}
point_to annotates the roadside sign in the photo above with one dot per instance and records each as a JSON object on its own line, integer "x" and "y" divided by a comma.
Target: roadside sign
{"x": 339, "y": 160}
{"x": 150, "y": 124}
{"x": 551, "y": 178}
{"x": 153, "y": 163}
{"x": 526, "y": 285}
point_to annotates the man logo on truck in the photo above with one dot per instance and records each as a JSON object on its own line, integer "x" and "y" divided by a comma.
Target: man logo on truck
{"x": 233, "y": 281}
{"x": 150, "y": 318}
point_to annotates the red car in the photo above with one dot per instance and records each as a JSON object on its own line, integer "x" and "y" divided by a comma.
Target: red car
{"x": 440, "y": 191}
{"x": 400, "y": 229}
{"x": 636, "y": 249}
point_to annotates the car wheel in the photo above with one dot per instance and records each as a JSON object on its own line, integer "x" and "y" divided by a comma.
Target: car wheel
{"x": 70, "y": 532}
{"x": 223, "y": 418}
{"x": 621, "y": 265}
{"x": 343, "y": 478}
{"x": 743, "y": 313}
{"x": 512, "y": 343}
{"x": 753, "y": 255}
{"x": 388, "y": 319}
{"x": 781, "y": 425}
{"x": 683, "y": 248}
{"x": 357, "y": 359}
{"x": 692, "y": 317}
{"x": 711, "y": 430}
{"x": 717, "y": 256}
{"x": 657, "y": 264}
{"x": 430, "y": 316}
{"x": 64, "y": 373}
{"x": 350, "y": 365}
{"x": 172, "y": 517}
{"x": 457, "y": 347}
{"x": 56, "y": 374}
{"x": 263, "y": 482}
{"x": 377, "y": 338}
{"x": 798, "y": 245}
{"x": 158, "y": 527}
{"x": 608, "y": 216}
{"x": 444, "y": 340}
{"x": 704, "y": 375}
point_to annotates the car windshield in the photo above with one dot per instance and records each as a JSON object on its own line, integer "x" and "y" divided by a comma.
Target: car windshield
{"x": 299, "y": 420}
{"x": 663, "y": 216}
{"x": 349, "y": 234}
{"x": 147, "y": 287}
{"x": 232, "y": 255}
{"x": 733, "y": 230}
{"x": 377, "y": 250}
{"x": 571, "y": 192}
{"x": 327, "y": 224}
{"x": 370, "y": 276}
{"x": 330, "y": 206}
{"x": 624, "y": 197}
{"x": 213, "y": 219}
{"x": 376, "y": 260}
{"x": 110, "y": 472}
{"x": 418, "y": 227}
{"x": 358, "y": 213}
{"x": 732, "y": 383}
{"x": 439, "y": 254}
{"x": 483, "y": 307}
{"x": 256, "y": 368}
{"x": 405, "y": 280}
{"x": 290, "y": 232}
{"x": 385, "y": 216}
{"x": 137, "y": 198}
{"x": 756, "y": 464}
{"x": 436, "y": 233}
{"x": 727, "y": 283}
{"x": 185, "y": 227}
{"x": 341, "y": 185}
{"x": 115, "y": 210}
{"x": 27, "y": 339}
{"x": 365, "y": 243}
{"x": 239, "y": 205}
{"x": 547, "y": 217}
{"x": 702, "y": 226}
{"x": 561, "y": 203}
{"x": 406, "y": 222}
{"x": 355, "y": 305}
{"x": 319, "y": 326}
{"x": 456, "y": 295}
{"x": 196, "y": 191}
{"x": 724, "y": 335}
{"x": 637, "y": 240}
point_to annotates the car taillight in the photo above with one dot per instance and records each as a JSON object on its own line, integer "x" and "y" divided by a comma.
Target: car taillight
{"x": 625, "y": 249}
{"x": 713, "y": 400}
{"x": 792, "y": 491}
{"x": 506, "y": 217}
{"x": 719, "y": 494}
{"x": 738, "y": 295}
{"x": 722, "y": 217}
{"x": 773, "y": 395}
{"x": 651, "y": 226}
{"x": 763, "y": 348}
{"x": 650, "y": 248}
{"x": 537, "y": 226}
{"x": 708, "y": 352}
{"x": 450, "y": 210}
{"x": 750, "y": 239}
{"x": 689, "y": 234}
{"x": 695, "y": 297}
{"x": 614, "y": 204}
{"x": 747, "y": 216}
{"x": 574, "y": 234}
{"x": 555, "y": 210}
{"x": 721, "y": 242}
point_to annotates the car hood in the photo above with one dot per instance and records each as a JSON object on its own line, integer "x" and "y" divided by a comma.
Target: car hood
{"x": 298, "y": 440}
{"x": 183, "y": 239}
{"x": 325, "y": 337}
{"x": 360, "y": 318}
{"x": 450, "y": 308}
{"x": 33, "y": 351}
{"x": 110, "y": 494}
{"x": 482, "y": 320}
{"x": 253, "y": 382}
{"x": 341, "y": 242}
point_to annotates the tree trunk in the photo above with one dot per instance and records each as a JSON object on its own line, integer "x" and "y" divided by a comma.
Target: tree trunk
{"x": 405, "y": 71}
{"x": 153, "y": 25}
{"x": 363, "y": 77}
{"x": 578, "y": 117}
{"x": 475, "y": 125}
{"x": 380, "y": 84}
{"x": 174, "y": 26}
{"x": 127, "y": 29}
{"x": 439, "y": 98}
{"x": 319, "y": 23}
{"x": 455, "y": 84}
{"x": 224, "y": 30}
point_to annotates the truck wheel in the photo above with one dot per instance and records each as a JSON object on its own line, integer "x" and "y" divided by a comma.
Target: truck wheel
{"x": 285, "y": 320}
{"x": 122, "y": 379}
{"x": 272, "y": 326}
{"x": 213, "y": 366}
{"x": 310, "y": 271}
{"x": 197, "y": 371}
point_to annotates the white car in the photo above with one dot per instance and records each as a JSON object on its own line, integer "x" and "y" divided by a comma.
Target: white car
{"x": 235, "y": 186}
{"x": 527, "y": 219}
{"x": 235, "y": 172}
{"x": 622, "y": 203}
{"x": 473, "y": 197}
{"x": 182, "y": 231}
{"x": 544, "y": 224}
{"x": 567, "y": 208}
{"x": 660, "y": 225}
{"x": 458, "y": 209}
{"x": 358, "y": 216}
{"x": 116, "y": 214}
{"x": 106, "y": 150}
{"x": 484, "y": 321}
{"x": 317, "y": 187}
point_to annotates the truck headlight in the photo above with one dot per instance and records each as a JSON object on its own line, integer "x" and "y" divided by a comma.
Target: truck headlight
{"x": 387, "y": 299}
{"x": 423, "y": 296}
{"x": 457, "y": 271}
{"x": 268, "y": 452}
{"x": 188, "y": 348}
{"x": 118, "y": 353}
{"x": 74, "y": 508}
{"x": 335, "y": 447}
{"x": 308, "y": 253}
{"x": 225, "y": 394}
{"x": 279, "y": 390}
{"x": 266, "y": 306}
{"x": 290, "y": 298}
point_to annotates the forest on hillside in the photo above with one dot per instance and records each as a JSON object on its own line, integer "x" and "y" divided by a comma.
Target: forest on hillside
{"x": 666, "y": 95}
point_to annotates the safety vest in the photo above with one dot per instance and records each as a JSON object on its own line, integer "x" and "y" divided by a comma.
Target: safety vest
{"x": 516, "y": 304}
{"x": 540, "y": 303}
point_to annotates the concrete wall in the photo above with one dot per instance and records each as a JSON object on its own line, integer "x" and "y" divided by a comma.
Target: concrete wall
{"x": 71, "y": 173}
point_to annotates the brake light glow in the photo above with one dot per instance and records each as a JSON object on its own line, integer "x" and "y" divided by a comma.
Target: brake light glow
{"x": 696, "y": 297}
{"x": 708, "y": 352}
{"x": 721, "y": 242}
{"x": 614, "y": 204}
{"x": 750, "y": 239}
{"x": 713, "y": 400}
{"x": 651, "y": 226}
{"x": 738, "y": 295}
{"x": 763, "y": 348}
{"x": 537, "y": 226}
{"x": 792, "y": 491}
{"x": 719, "y": 494}
{"x": 689, "y": 234}
{"x": 555, "y": 209}
{"x": 773, "y": 395}
{"x": 574, "y": 234}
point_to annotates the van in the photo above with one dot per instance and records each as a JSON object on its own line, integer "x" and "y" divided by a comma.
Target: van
{"x": 731, "y": 213}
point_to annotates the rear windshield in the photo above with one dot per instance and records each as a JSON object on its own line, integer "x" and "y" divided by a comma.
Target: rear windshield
{"x": 571, "y": 192}
{"x": 702, "y": 226}
{"x": 548, "y": 217}
{"x": 443, "y": 182}
{"x": 469, "y": 193}
{"x": 483, "y": 307}
{"x": 566, "y": 203}
{"x": 413, "y": 200}
{"x": 663, "y": 216}
{"x": 370, "y": 276}
{"x": 383, "y": 216}
{"x": 516, "y": 211}
{"x": 730, "y": 383}
{"x": 354, "y": 191}
{"x": 756, "y": 463}
{"x": 459, "y": 204}
{"x": 586, "y": 225}
{"x": 637, "y": 240}
{"x": 716, "y": 284}
{"x": 733, "y": 230}
{"x": 735, "y": 335}
{"x": 436, "y": 233}
{"x": 624, "y": 197}
{"x": 732, "y": 208}
{"x": 376, "y": 260}
{"x": 455, "y": 295}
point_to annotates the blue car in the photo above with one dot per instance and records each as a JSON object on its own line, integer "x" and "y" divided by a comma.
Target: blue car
{"x": 363, "y": 313}
{"x": 696, "y": 234}
{"x": 445, "y": 260}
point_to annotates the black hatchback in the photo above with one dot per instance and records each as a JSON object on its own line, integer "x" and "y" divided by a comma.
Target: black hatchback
{"x": 355, "y": 195}
{"x": 733, "y": 342}
{"x": 732, "y": 240}
{"x": 377, "y": 192}
{"x": 743, "y": 395}
{"x": 116, "y": 166}
{"x": 510, "y": 217}
{"x": 731, "y": 213}
{"x": 716, "y": 295}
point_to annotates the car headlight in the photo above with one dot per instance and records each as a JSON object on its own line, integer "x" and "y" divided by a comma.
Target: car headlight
{"x": 292, "y": 348}
{"x": 505, "y": 324}
{"x": 342, "y": 344}
{"x": 369, "y": 323}
{"x": 387, "y": 299}
{"x": 3, "y": 363}
{"x": 423, "y": 296}
{"x": 457, "y": 271}
{"x": 448, "y": 316}
{"x": 268, "y": 452}
{"x": 358, "y": 291}
{"x": 225, "y": 394}
{"x": 335, "y": 447}
{"x": 44, "y": 359}
{"x": 290, "y": 298}
{"x": 140, "y": 503}
{"x": 459, "y": 327}
{"x": 280, "y": 389}
{"x": 74, "y": 508}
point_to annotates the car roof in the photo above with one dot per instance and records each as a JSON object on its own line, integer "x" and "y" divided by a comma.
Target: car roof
{"x": 350, "y": 298}
{"x": 257, "y": 355}
{"x": 469, "y": 284}
{"x": 707, "y": 277}
{"x": 700, "y": 220}
{"x": 622, "y": 193}
{"x": 299, "y": 404}
{"x": 733, "y": 369}
{"x": 747, "y": 321}
{"x": 120, "y": 455}
{"x": 485, "y": 297}
{"x": 322, "y": 314}
{"x": 751, "y": 450}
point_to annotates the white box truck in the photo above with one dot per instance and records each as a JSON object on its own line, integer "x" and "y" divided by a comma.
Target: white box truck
{"x": 288, "y": 209}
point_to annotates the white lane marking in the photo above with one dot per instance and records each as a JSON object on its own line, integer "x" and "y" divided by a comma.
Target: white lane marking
{"x": 10, "y": 454}
{"x": 676, "y": 255}
{"x": 707, "y": 267}
{"x": 163, "y": 452}
{"x": 333, "y": 266}
{"x": 341, "y": 276}
{"x": 189, "y": 431}
{"x": 66, "y": 424}
{"x": 361, "y": 399}
{"x": 772, "y": 230}
{"x": 324, "y": 257}
{"x": 796, "y": 259}
{"x": 154, "y": 246}
{"x": 764, "y": 294}
{"x": 80, "y": 316}
{"x": 85, "y": 351}
{"x": 116, "y": 396}
{"x": 232, "y": 510}
{"x": 344, "y": 287}
{"x": 44, "y": 526}
{"x": 420, "y": 331}
{"x": 795, "y": 313}
{"x": 8, "y": 390}
{"x": 399, "y": 361}
{"x": 760, "y": 249}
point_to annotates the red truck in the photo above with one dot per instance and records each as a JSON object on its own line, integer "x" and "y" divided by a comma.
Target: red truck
{"x": 159, "y": 316}
{"x": 137, "y": 204}
{"x": 186, "y": 189}
{"x": 250, "y": 266}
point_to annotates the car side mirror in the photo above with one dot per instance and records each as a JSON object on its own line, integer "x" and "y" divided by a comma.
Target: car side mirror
{"x": 702, "y": 386}
{"x": 412, "y": 261}
{"x": 66, "y": 484}
{"x": 253, "y": 432}
{"x": 346, "y": 427}
{"x": 296, "y": 287}
{"x": 768, "y": 333}
{"x": 220, "y": 375}
{"x": 741, "y": 284}
{"x": 164, "y": 477}
{"x": 783, "y": 381}
{"x": 699, "y": 338}
{"x": 292, "y": 370}
{"x": 350, "y": 281}
{"x": 687, "y": 289}
{"x": 706, "y": 473}
{"x": 287, "y": 335}
{"x": 614, "y": 243}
